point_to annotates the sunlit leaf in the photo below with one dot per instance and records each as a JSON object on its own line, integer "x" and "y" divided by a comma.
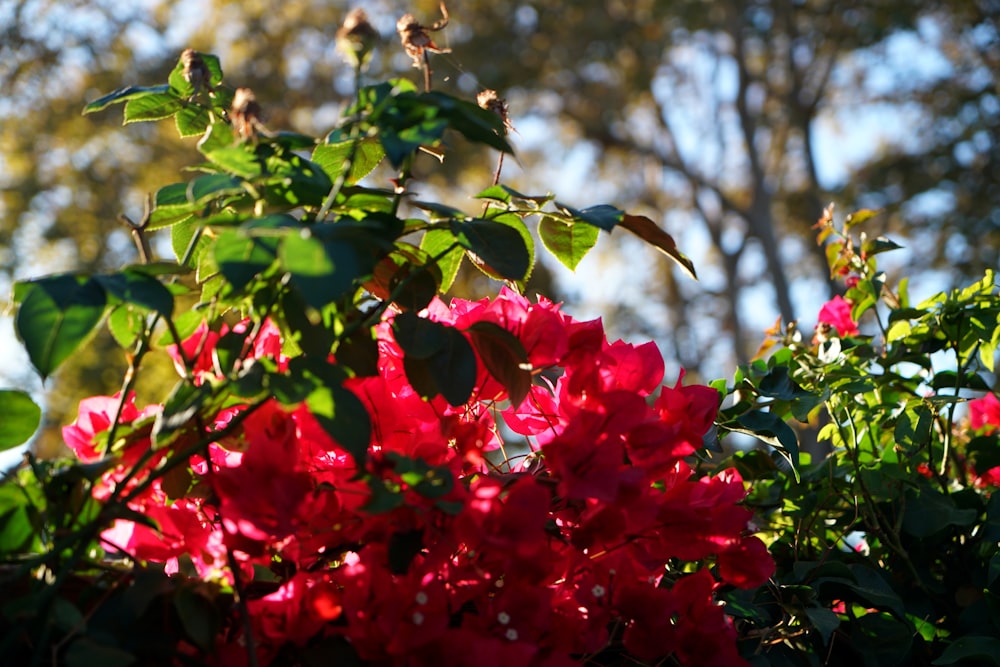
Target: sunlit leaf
{"x": 57, "y": 314}
{"x": 124, "y": 95}
{"x": 569, "y": 243}
{"x": 152, "y": 107}
{"x": 20, "y": 418}
{"x": 364, "y": 155}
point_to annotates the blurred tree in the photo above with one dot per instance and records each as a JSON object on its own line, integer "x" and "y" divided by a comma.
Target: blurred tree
{"x": 706, "y": 117}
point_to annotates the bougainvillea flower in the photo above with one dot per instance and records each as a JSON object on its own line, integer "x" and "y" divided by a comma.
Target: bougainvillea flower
{"x": 837, "y": 313}
{"x": 984, "y": 413}
{"x": 534, "y": 560}
{"x": 94, "y": 417}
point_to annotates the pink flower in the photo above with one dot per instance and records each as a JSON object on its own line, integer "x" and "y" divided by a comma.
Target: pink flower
{"x": 837, "y": 313}
{"x": 984, "y": 413}
{"x": 95, "y": 417}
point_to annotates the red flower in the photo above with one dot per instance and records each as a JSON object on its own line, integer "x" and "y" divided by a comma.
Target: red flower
{"x": 746, "y": 564}
{"x": 984, "y": 413}
{"x": 837, "y": 313}
{"x": 95, "y": 416}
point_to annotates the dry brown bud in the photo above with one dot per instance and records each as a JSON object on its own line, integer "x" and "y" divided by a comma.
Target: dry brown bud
{"x": 195, "y": 71}
{"x": 356, "y": 37}
{"x": 416, "y": 38}
{"x": 489, "y": 100}
{"x": 246, "y": 114}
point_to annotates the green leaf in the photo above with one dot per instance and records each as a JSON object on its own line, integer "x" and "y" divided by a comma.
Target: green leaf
{"x": 985, "y": 650}
{"x": 179, "y": 410}
{"x": 778, "y": 384}
{"x": 437, "y": 358}
{"x": 440, "y": 211}
{"x": 211, "y": 187}
{"x": 878, "y": 245}
{"x": 536, "y": 200}
{"x": 296, "y": 181}
{"x": 86, "y": 652}
{"x": 192, "y": 120}
{"x": 569, "y": 243}
{"x": 126, "y": 323}
{"x": 824, "y": 620}
{"x": 344, "y": 417}
{"x": 241, "y": 258}
{"x": 124, "y": 95}
{"x": 603, "y": 216}
{"x": 437, "y": 241}
{"x": 399, "y": 145}
{"x": 497, "y": 245}
{"x": 170, "y": 206}
{"x": 313, "y": 338}
{"x": 913, "y": 427}
{"x": 56, "y": 316}
{"x": 383, "y": 498}
{"x": 181, "y": 236}
{"x": 20, "y": 418}
{"x": 321, "y": 270}
{"x": 220, "y": 146}
{"x": 866, "y": 586}
{"x": 929, "y": 512}
{"x": 951, "y": 380}
{"x": 517, "y": 224}
{"x": 152, "y": 107}
{"x": 858, "y": 217}
{"x": 771, "y": 429}
{"x": 418, "y": 336}
{"x": 496, "y": 193}
{"x": 504, "y": 357}
{"x": 289, "y": 141}
{"x": 472, "y": 121}
{"x": 16, "y": 529}
{"x": 365, "y": 154}
{"x": 185, "y": 324}
{"x": 407, "y": 276}
{"x": 198, "y": 616}
{"x": 134, "y": 287}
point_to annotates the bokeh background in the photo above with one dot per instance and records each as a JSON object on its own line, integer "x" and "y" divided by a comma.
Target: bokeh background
{"x": 731, "y": 123}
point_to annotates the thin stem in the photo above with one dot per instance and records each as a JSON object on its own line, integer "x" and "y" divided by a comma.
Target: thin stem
{"x": 427, "y": 72}
{"x": 241, "y": 604}
{"x": 345, "y": 171}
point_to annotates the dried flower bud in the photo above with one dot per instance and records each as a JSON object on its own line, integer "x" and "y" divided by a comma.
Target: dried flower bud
{"x": 246, "y": 114}
{"x": 195, "y": 71}
{"x": 356, "y": 37}
{"x": 489, "y": 100}
{"x": 416, "y": 38}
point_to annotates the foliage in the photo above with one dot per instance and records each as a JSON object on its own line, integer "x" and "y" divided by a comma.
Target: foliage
{"x": 886, "y": 550}
{"x": 328, "y": 478}
{"x": 914, "y": 84}
{"x": 349, "y": 469}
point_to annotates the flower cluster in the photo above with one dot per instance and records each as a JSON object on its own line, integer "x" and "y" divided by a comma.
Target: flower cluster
{"x": 489, "y": 533}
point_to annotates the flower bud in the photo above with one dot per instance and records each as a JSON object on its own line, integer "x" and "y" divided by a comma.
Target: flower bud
{"x": 245, "y": 113}
{"x": 195, "y": 71}
{"x": 489, "y": 100}
{"x": 356, "y": 37}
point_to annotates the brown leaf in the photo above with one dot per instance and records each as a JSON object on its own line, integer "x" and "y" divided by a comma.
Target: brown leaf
{"x": 649, "y": 232}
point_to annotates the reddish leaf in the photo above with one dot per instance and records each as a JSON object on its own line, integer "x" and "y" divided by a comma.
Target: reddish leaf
{"x": 504, "y": 357}
{"x": 649, "y": 232}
